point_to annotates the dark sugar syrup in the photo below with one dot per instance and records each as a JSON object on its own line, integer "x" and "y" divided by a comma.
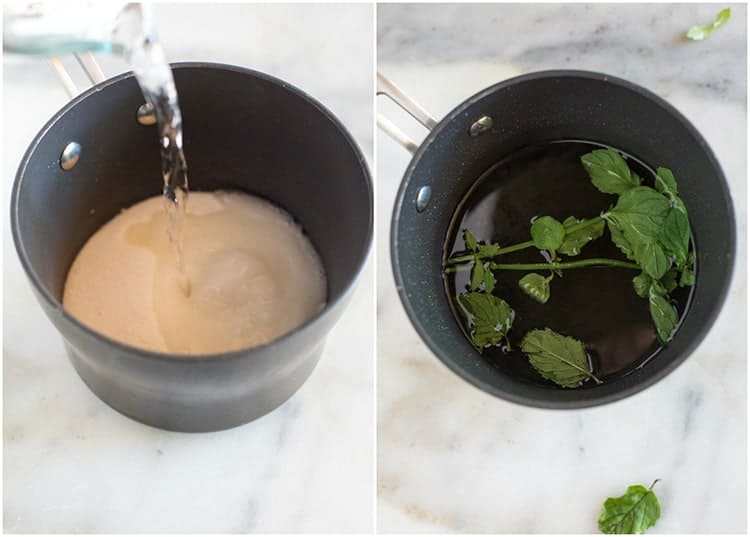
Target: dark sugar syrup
{"x": 597, "y": 306}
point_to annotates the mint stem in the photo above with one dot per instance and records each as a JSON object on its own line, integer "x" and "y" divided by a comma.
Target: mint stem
{"x": 593, "y": 262}
{"x": 520, "y": 246}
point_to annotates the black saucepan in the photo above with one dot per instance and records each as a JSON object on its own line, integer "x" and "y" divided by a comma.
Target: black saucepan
{"x": 244, "y": 131}
{"x": 548, "y": 106}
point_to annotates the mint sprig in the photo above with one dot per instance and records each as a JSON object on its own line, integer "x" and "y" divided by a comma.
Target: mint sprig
{"x": 650, "y": 226}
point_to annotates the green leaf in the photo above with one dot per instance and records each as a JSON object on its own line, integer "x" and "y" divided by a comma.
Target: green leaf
{"x": 687, "y": 277}
{"x": 675, "y": 237}
{"x": 489, "y": 280}
{"x": 642, "y": 208}
{"x": 652, "y": 258}
{"x": 536, "y": 286}
{"x": 662, "y": 311}
{"x": 665, "y": 182}
{"x": 470, "y": 240}
{"x": 556, "y": 357}
{"x": 547, "y": 233}
{"x": 609, "y": 172}
{"x": 700, "y": 32}
{"x": 486, "y": 251}
{"x": 642, "y": 284}
{"x": 669, "y": 280}
{"x": 477, "y": 275}
{"x": 620, "y": 241}
{"x": 576, "y": 240}
{"x": 489, "y": 318}
{"x": 633, "y": 512}
{"x": 639, "y": 214}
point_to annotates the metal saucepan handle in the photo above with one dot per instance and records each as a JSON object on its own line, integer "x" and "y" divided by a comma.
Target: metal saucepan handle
{"x": 393, "y": 92}
{"x": 87, "y": 62}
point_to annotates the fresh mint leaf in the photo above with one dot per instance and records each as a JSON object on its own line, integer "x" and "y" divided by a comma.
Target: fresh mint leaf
{"x": 639, "y": 214}
{"x": 662, "y": 311}
{"x": 561, "y": 359}
{"x": 536, "y": 286}
{"x": 486, "y": 251}
{"x": 489, "y": 318}
{"x": 669, "y": 280}
{"x": 676, "y": 232}
{"x": 489, "y": 280}
{"x": 576, "y": 240}
{"x": 652, "y": 258}
{"x": 547, "y": 233}
{"x": 477, "y": 275}
{"x": 642, "y": 207}
{"x": 642, "y": 284}
{"x": 675, "y": 237}
{"x": 687, "y": 277}
{"x": 633, "y": 512}
{"x": 470, "y": 240}
{"x": 609, "y": 172}
{"x": 700, "y": 32}
{"x": 620, "y": 241}
{"x": 665, "y": 182}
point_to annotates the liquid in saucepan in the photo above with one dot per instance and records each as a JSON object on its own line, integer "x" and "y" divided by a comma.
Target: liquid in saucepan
{"x": 254, "y": 276}
{"x": 597, "y": 306}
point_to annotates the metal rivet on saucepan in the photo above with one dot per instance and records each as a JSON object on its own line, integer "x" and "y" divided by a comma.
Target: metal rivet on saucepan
{"x": 481, "y": 125}
{"x": 423, "y": 198}
{"x": 69, "y": 156}
{"x": 145, "y": 114}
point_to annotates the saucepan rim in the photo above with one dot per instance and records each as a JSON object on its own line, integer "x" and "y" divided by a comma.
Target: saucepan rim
{"x": 611, "y": 392}
{"x": 190, "y": 358}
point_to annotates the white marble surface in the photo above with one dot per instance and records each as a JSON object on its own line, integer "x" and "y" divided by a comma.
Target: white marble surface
{"x": 74, "y": 465}
{"x": 453, "y": 459}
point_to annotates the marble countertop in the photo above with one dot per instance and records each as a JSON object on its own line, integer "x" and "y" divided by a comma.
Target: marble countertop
{"x": 72, "y": 464}
{"x": 454, "y": 459}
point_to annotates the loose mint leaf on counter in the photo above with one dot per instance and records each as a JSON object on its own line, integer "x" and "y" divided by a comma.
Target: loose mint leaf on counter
{"x": 547, "y": 233}
{"x": 576, "y": 240}
{"x": 609, "y": 172}
{"x": 488, "y": 317}
{"x": 634, "y": 512}
{"x": 536, "y": 286}
{"x": 700, "y": 32}
{"x": 561, "y": 359}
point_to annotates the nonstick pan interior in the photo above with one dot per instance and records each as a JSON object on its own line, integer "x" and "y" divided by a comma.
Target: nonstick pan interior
{"x": 547, "y": 106}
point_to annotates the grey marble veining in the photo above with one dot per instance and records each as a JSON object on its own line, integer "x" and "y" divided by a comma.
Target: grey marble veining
{"x": 454, "y": 459}
{"x": 636, "y": 39}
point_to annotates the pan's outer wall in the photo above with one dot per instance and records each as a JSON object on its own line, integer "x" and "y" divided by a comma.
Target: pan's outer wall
{"x": 546, "y": 106}
{"x": 243, "y": 130}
